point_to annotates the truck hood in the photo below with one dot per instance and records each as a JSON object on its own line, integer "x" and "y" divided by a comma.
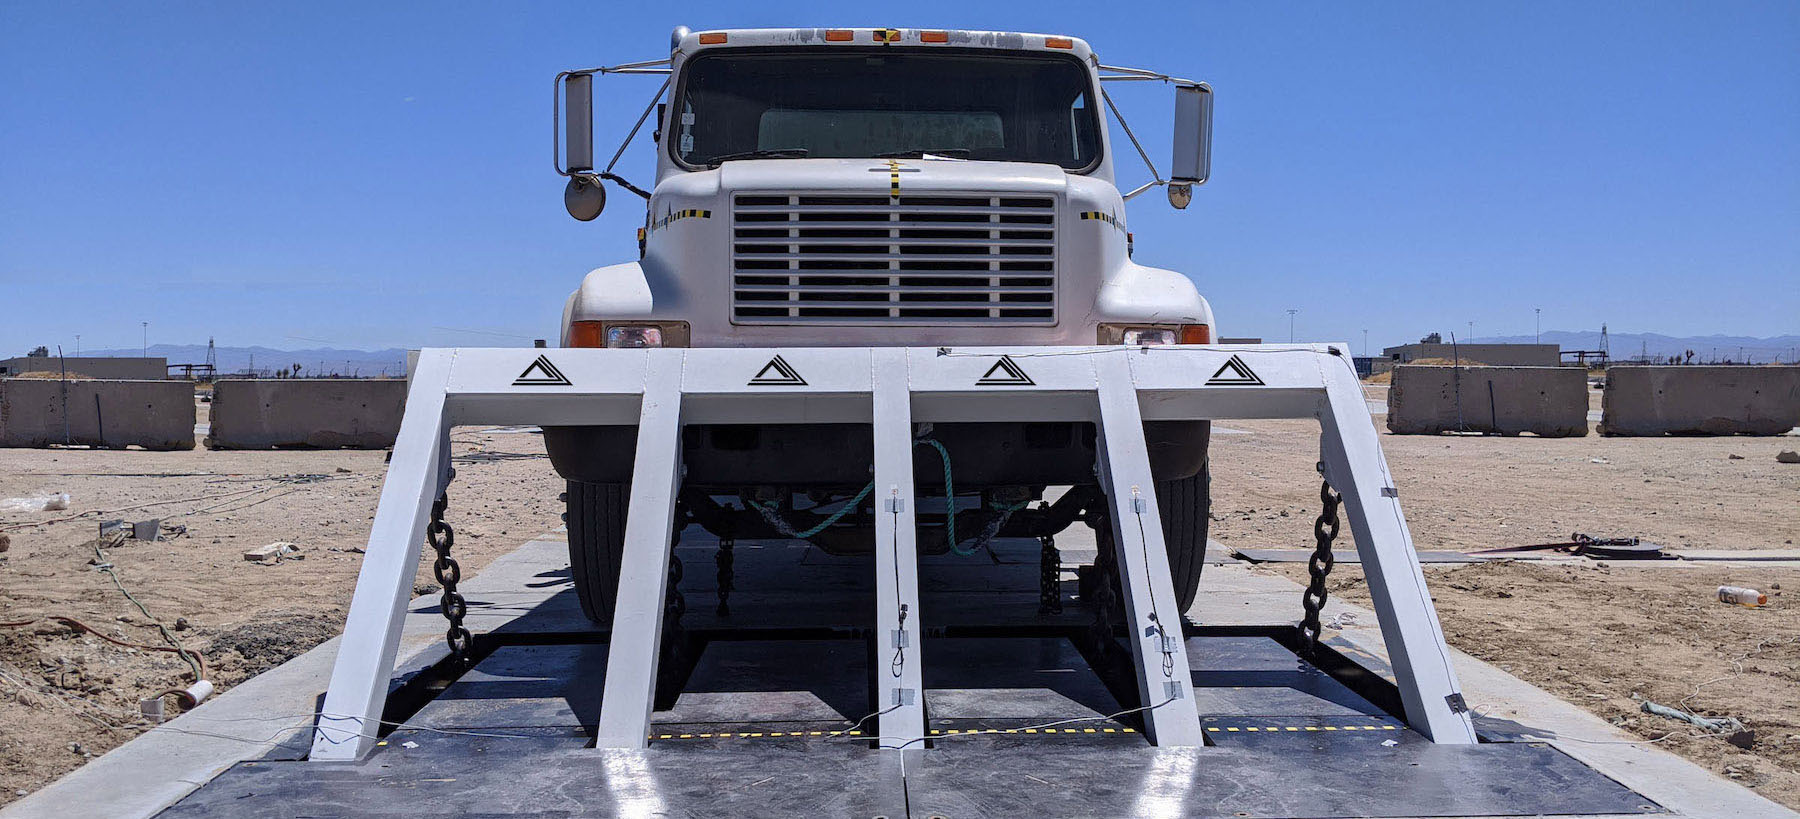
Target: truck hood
{"x": 877, "y": 175}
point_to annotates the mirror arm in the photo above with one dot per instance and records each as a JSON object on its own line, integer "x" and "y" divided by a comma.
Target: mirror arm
{"x": 620, "y": 181}
{"x": 1144, "y": 187}
{"x": 1120, "y": 72}
{"x": 1156, "y": 175}
{"x": 640, "y": 123}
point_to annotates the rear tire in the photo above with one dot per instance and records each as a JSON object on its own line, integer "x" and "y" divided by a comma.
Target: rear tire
{"x": 596, "y": 518}
{"x": 1186, "y": 507}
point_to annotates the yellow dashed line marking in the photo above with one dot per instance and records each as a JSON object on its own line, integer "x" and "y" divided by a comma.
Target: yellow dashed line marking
{"x": 1267, "y": 729}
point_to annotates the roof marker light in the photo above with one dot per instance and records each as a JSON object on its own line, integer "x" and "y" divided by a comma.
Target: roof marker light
{"x": 712, "y": 38}
{"x": 839, "y": 35}
{"x": 1058, "y": 42}
{"x": 934, "y": 36}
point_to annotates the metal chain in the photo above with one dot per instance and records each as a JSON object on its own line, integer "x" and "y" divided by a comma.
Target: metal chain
{"x": 724, "y": 558}
{"x": 448, "y": 573}
{"x": 1325, "y": 530}
{"x": 1049, "y": 577}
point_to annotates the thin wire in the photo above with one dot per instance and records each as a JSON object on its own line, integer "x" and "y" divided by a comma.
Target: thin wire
{"x": 1162, "y": 631}
{"x": 195, "y": 663}
{"x": 898, "y": 664}
{"x": 1737, "y": 666}
{"x": 858, "y": 723}
{"x": 91, "y": 630}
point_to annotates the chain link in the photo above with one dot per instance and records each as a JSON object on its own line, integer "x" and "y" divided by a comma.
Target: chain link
{"x": 449, "y": 573}
{"x": 1325, "y": 530}
{"x": 1049, "y": 577}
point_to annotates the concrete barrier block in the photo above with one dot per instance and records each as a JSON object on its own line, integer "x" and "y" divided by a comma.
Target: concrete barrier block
{"x": 327, "y": 413}
{"x": 1700, "y": 400}
{"x": 103, "y": 413}
{"x": 1547, "y": 401}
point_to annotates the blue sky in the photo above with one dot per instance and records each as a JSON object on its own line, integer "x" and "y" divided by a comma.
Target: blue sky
{"x": 358, "y": 176}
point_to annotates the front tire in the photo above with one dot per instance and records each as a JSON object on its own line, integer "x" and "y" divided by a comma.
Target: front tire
{"x": 596, "y": 518}
{"x": 1186, "y": 506}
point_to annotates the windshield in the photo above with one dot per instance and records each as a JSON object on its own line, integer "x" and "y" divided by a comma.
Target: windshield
{"x": 859, "y": 103}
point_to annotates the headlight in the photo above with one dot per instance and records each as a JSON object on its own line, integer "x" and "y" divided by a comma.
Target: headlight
{"x": 1143, "y": 335}
{"x": 628, "y": 335}
{"x": 632, "y": 337}
{"x": 1138, "y": 336}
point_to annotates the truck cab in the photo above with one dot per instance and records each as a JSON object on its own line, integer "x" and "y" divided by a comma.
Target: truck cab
{"x": 876, "y": 187}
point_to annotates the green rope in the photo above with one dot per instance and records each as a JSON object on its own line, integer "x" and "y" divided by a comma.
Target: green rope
{"x": 949, "y": 504}
{"x": 949, "y": 498}
{"x": 835, "y": 516}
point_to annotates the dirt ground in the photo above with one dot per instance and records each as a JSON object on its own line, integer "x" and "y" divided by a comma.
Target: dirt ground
{"x": 1590, "y": 634}
{"x": 67, "y": 696}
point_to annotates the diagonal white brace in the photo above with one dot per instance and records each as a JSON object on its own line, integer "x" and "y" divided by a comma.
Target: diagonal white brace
{"x": 1355, "y": 467}
{"x": 351, "y": 716}
{"x": 1157, "y": 642}
{"x": 899, "y": 679}
{"x": 632, "y": 652}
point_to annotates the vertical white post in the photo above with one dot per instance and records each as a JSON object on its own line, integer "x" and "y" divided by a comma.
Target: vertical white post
{"x": 632, "y": 652}
{"x": 1157, "y": 643}
{"x": 350, "y": 718}
{"x": 899, "y": 679}
{"x": 1355, "y": 467}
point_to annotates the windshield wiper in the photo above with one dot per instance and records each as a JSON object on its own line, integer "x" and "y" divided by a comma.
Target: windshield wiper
{"x": 917, "y": 153}
{"x": 761, "y": 153}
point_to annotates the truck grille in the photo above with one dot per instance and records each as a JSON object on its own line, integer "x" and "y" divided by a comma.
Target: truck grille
{"x": 857, "y": 259}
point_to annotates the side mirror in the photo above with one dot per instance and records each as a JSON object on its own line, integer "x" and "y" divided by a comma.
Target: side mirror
{"x": 1192, "y": 163}
{"x": 578, "y": 107}
{"x": 584, "y": 197}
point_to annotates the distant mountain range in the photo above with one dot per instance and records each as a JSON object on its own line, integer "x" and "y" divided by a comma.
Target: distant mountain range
{"x": 366, "y": 363}
{"x": 265, "y": 360}
{"x": 1630, "y": 346}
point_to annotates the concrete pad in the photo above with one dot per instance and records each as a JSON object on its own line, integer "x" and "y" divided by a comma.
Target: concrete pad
{"x": 1273, "y": 555}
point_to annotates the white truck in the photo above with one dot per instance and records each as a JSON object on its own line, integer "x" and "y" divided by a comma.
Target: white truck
{"x": 879, "y": 187}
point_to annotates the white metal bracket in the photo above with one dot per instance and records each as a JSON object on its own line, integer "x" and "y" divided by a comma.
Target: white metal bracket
{"x": 1117, "y": 388}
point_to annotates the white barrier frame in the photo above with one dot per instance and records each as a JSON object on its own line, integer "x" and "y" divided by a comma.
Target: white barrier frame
{"x": 893, "y": 389}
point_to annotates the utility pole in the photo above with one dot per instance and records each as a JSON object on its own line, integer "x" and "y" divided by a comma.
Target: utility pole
{"x": 1471, "y": 339}
{"x": 1291, "y": 312}
{"x": 1540, "y": 323}
{"x": 77, "y": 345}
{"x": 146, "y": 338}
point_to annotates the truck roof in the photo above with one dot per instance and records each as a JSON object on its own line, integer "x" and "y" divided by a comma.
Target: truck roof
{"x": 696, "y": 41}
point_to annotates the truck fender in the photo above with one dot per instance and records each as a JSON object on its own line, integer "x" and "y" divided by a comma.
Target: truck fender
{"x": 1151, "y": 294}
{"x": 618, "y": 291}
